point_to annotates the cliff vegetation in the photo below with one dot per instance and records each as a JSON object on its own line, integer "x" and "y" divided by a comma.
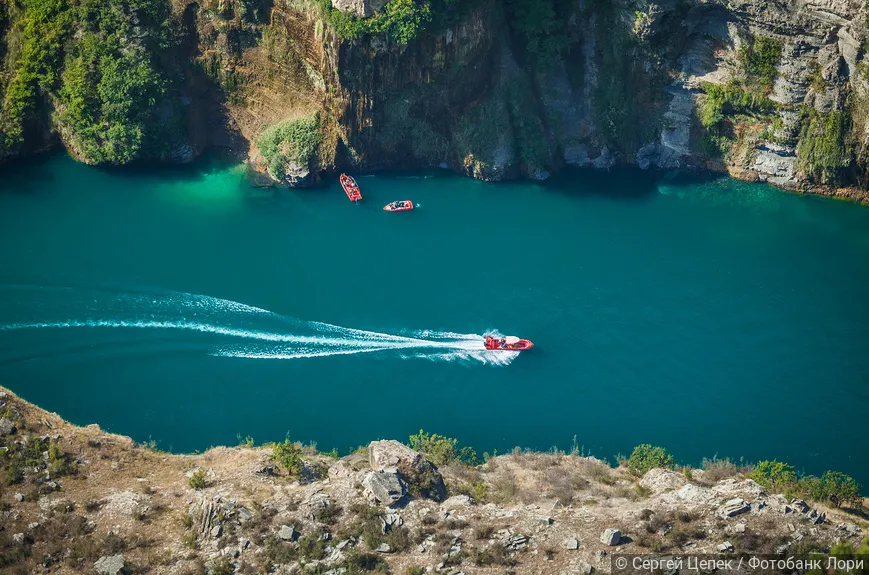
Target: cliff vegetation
{"x": 495, "y": 89}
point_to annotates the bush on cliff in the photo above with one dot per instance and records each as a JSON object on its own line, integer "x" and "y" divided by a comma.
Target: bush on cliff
{"x": 774, "y": 475}
{"x": 107, "y": 94}
{"x": 542, "y": 25}
{"x": 646, "y": 457}
{"x": 826, "y": 145}
{"x": 290, "y": 142}
{"x": 289, "y": 456}
{"x": 442, "y": 450}
{"x": 402, "y": 21}
{"x": 833, "y": 486}
{"x": 43, "y": 26}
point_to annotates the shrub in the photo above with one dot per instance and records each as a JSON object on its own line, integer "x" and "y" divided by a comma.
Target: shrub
{"x": 290, "y": 142}
{"x": 840, "y": 488}
{"x": 646, "y": 457}
{"x": 401, "y": 21}
{"x": 774, "y": 475}
{"x": 542, "y": 25}
{"x": 476, "y": 490}
{"x": 716, "y": 469}
{"x": 222, "y": 566}
{"x": 289, "y": 455}
{"x": 442, "y": 450}
{"x": 197, "y": 480}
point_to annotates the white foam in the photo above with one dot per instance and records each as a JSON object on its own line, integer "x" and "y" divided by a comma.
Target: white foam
{"x": 271, "y": 335}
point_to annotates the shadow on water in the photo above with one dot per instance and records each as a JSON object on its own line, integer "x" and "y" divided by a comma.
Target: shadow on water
{"x": 33, "y": 174}
{"x": 28, "y": 175}
{"x": 211, "y": 161}
{"x": 617, "y": 183}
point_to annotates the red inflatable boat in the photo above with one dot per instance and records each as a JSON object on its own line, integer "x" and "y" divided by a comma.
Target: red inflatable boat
{"x": 351, "y": 188}
{"x": 399, "y": 206}
{"x": 509, "y": 343}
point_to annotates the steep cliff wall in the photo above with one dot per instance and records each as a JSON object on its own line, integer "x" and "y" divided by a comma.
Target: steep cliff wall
{"x": 772, "y": 91}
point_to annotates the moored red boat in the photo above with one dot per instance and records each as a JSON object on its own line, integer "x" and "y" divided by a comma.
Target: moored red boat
{"x": 399, "y": 206}
{"x": 351, "y": 188}
{"x": 509, "y": 343}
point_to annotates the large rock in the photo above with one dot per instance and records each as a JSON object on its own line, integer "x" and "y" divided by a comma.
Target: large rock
{"x": 110, "y": 565}
{"x": 361, "y": 8}
{"x": 288, "y": 533}
{"x": 456, "y": 501}
{"x": 611, "y": 536}
{"x": 734, "y": 507}
{"x": 421, "y": 475}
{"x": 660, "y": 480}
{"x": 6, "y": 427}
{"x": 385, "y": 486}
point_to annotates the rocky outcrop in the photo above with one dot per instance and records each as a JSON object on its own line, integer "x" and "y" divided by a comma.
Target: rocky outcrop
{"x": 385, "y": 486}
{"x": 393, "y": 458}
{"x": 536, "y": 513}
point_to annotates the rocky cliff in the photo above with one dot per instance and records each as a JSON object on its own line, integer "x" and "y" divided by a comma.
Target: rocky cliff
{"x": 496, "y": 89}
{"x": 79, "y": 500}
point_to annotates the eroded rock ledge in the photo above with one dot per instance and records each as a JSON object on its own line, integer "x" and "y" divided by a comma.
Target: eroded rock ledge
{"x": 91, "y": 501}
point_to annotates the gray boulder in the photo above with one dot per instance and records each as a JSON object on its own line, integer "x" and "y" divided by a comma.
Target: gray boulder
{"x": 611, "y": 536}
{"x": 457, "y": 501}
{"x": 386, "y": 486}
{"x": 571, "y": 544}
{"x": 734, "y": 507}
{"x": 6, "y": 427}
{"x": 418, "y": 472}
{"x": 288, "y": 533}
{"x": 110, "y": 565}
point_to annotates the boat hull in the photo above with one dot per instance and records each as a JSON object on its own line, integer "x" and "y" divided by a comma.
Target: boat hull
{"x": 351, "y": 188}
{"x": 408, "y": 205}
{"x": 496, "y": 344}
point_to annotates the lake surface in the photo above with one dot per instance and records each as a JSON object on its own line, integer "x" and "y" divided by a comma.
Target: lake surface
{"x": 710, "y": 317}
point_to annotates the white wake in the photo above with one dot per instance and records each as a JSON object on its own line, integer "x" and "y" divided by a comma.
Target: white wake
{"x": 235, "y": 330}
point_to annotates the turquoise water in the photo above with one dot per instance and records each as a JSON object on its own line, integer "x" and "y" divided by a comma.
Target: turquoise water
{"x": 711, "y": 317}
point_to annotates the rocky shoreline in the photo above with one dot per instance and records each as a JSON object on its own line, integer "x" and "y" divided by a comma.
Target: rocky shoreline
{"x": 86, "y": 501}
{"x": 770, "y": 92}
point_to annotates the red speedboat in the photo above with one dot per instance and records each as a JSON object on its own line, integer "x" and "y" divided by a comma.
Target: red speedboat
{"x": 351, "y": 188}
{"x": 509, "y": 343}
{"x": 399, "y": 206}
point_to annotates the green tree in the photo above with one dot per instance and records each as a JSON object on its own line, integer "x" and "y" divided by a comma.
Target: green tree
{"x": 840, "y": 488}
{"x": 645, "y": 457}
{"x": 774, "y": 475}
{"x": 289, "y": 455}
{"x": 197, "y": 480}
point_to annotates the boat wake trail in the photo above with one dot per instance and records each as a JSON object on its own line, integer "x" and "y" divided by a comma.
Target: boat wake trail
{"x": 218, "y": 327}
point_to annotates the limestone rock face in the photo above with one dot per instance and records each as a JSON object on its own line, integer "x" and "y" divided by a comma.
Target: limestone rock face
{"x": 418, "y": 472}
{"x": 361, "y": 8}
